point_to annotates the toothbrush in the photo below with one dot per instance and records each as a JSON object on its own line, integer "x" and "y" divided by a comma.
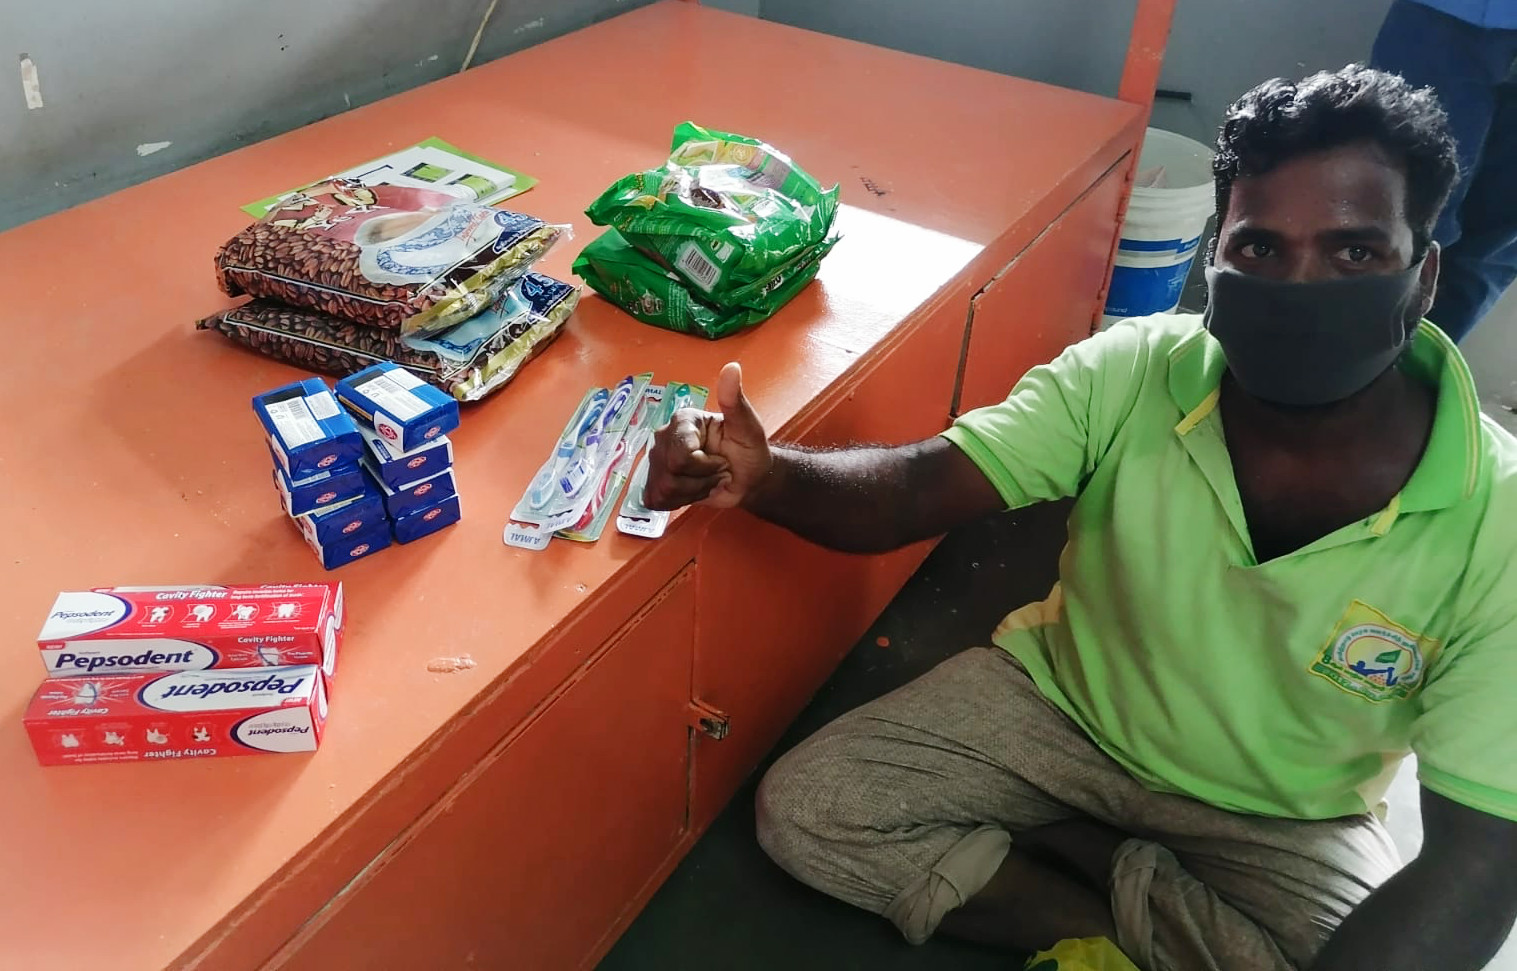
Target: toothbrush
{"x": 680, "y": 396}
{"x": 589, "y": 449}
{"x": 541, "y": 491}
{"x": 602, "y": 493}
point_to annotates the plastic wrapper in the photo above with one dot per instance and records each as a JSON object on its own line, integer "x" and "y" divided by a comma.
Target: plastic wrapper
{"x": 636, "y": 519}
{"x": 413, "y": 260}
{"x": 1089, "y": 954}
{"x": 725, "y": 213}
{"x": 470, "y": 361}
{"x": 612, "y": 268}
{"x": 617, "y": 470}
{"x": 574, "y": 477}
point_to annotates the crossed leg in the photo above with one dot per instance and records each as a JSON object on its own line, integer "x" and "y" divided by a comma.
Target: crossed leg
{"x": 965, "y": 801}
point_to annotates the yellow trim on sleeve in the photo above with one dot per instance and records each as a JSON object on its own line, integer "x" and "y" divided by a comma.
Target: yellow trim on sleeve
{"x": 1495, "y": 802}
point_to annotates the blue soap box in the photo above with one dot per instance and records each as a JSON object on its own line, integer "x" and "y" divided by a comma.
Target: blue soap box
{"x": 415, "y": 495}
{"x": 404, "y": 409}
{"x": 319, "y": 491}
{"x": 428, "y": 520}
{"x": 349, "y": 548}
{"x": 396, "y": 468}
{"x": 307, "y": 431}
{"x": 331, "y": 524}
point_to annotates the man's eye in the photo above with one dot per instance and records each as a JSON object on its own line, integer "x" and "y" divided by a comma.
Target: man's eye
{"x": 1356, "y": 254}
{"x": 1256, "y": 251}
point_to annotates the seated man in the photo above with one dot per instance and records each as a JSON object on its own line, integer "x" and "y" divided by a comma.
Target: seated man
{"x": 1290, "y": 564}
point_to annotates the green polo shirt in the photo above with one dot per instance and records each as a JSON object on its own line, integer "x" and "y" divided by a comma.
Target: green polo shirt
{"x": 1287, "y": 688}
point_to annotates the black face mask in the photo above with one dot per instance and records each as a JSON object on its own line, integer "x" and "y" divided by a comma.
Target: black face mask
{"x": 1311, "y": 343}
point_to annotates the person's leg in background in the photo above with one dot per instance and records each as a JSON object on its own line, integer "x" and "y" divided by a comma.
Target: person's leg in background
{"x": 1484, "y": 260}
{"x": 1471, "y": 69}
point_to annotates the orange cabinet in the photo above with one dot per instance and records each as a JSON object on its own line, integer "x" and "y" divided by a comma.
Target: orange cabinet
{"x": 776, "y": 612}
{"x": 589, "y": 794}
{"x": 1047, "y": 298}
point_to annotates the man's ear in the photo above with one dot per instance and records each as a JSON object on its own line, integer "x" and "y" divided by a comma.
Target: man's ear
{"x": 1427, "y": 281}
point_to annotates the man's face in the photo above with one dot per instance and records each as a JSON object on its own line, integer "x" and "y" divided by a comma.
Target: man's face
{"x": 1331, "y": 214}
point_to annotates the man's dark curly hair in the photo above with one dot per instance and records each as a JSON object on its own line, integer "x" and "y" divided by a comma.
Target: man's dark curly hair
{"x": 1280, "y": 120}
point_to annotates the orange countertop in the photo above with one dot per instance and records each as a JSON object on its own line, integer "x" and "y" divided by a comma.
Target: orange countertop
{"x": 130, "y": 454}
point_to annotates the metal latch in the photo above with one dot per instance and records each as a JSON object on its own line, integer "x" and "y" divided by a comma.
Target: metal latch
{"x": 707, "y": 720}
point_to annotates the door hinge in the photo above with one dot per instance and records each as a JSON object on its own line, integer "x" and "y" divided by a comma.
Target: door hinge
{"x": 708, "y": 720}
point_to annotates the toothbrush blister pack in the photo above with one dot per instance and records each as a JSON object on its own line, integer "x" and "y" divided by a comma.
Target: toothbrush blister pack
{"x": 636, "y": 519}
{"x": 564, "y": 488}
{"x": 608, "y": 485}
{"x": 575, "y": 494}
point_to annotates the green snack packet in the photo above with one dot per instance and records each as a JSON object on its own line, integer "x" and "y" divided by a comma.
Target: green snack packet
{"x": 725, "y": 213}
{"x": 627, "y": 278}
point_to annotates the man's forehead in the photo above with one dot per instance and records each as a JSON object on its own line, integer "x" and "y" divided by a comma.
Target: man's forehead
{"x": 1350, "y": 184}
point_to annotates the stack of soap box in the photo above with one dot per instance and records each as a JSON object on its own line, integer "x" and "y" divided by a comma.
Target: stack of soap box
{"x": 404, "y": 424}
{"x": 352, "y": 480}
{"x": 160, "y": 673}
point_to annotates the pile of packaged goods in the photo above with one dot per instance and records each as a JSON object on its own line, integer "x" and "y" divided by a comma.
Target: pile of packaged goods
{"x": 718, "y": 238}
{"x": 575, "y": 492}
{"x": 378, "y": 466}
{"x": 137, "y": 673}
{"x": 346, "y": 275}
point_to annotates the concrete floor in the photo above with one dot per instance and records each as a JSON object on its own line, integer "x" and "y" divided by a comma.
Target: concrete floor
{"x": 729, "y": 907}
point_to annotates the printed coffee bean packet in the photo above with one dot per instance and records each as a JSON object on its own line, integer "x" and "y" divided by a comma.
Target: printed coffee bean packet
{"x": 411, "y": 260}
{"x": 469, "y": 361}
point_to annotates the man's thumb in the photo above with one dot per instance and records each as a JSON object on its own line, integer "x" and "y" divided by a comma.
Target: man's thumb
{"x": 737, "y": 412}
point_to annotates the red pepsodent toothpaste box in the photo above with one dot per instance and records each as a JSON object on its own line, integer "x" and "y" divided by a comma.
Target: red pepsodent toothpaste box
{"x": 183, "y": 715}
{"x": 135, "y": 630}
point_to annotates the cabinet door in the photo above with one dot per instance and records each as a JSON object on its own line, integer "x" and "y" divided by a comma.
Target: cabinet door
{"x": 536, "y": 854}
{"x": 776, "y": 613}
{"x": 1045, "y": 300}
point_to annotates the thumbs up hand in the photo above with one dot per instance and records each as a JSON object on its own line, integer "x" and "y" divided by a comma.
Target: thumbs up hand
{"x": 719, "y": 459}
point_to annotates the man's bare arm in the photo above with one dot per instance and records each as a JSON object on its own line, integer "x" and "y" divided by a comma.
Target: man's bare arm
{"x": 869, "y": 500}
{"x": 861, "y": 500}
{"x": 1449, "y": 909}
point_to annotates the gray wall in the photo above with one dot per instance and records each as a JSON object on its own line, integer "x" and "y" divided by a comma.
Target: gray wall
{"x": 120, "y": 77}
{"x": 1071, "y": 43}
{"x": 1221, "y": 48}
{"x": 1218, "y": 48}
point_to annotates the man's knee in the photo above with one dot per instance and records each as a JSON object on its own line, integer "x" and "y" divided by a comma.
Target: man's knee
{"x": 789, "y": 812}
{"x": 821, "y": 812}
{"x": 829, "y": 821}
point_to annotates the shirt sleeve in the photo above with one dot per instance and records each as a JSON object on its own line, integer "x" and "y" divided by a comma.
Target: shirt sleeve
{"x": 1465, "y": 736}
{"x": 1045, "y": 439}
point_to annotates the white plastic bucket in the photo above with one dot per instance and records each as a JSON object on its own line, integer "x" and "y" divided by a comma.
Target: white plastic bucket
{"x": 1163, "y": 228}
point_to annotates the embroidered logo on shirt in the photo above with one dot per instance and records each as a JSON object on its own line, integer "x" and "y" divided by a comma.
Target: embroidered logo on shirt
{"x": 1371, "y": 656}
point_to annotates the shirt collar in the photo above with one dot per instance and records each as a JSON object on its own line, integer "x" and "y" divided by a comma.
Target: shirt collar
{"x": 1450, "y": 468}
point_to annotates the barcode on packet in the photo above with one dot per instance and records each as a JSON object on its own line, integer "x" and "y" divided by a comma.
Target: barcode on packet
{"x": 294, "y": 420}
{"x": 697, "y": 266}
{"x": 393, "y": 393}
